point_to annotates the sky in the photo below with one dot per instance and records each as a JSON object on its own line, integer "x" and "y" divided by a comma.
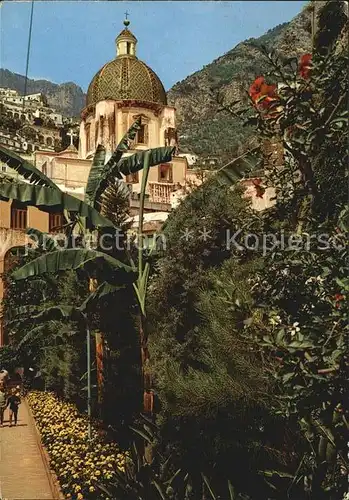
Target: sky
{"x": 72, "y": 40}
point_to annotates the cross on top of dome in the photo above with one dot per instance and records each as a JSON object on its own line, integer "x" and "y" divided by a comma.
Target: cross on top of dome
{"x": 126, "y": 41}
{"x": 126, "y": 21}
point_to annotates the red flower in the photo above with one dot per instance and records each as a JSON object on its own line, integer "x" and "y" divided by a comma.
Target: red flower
{"x": 255, "y": 88}
{"x": 304, "y": 66}
{"x": 260, "y": 89}
{"x": 338, "y": 298}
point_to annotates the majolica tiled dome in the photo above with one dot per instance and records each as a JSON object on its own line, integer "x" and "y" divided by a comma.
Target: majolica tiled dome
{"x": 126, "y": 77}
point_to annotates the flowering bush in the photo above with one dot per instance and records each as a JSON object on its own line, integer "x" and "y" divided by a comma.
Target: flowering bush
{"x": 79, "y": 465}
{"x": 302, "y": 293}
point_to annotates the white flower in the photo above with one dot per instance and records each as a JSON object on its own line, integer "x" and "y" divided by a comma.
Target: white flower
{"x": 295, "y": 329}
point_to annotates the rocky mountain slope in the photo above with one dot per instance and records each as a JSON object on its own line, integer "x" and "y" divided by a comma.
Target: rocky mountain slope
{"x": 68, "y": 98}
{"x": 202, "y": 128}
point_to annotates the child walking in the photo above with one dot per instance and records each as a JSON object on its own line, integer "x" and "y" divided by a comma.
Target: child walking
{"x": 13, "y": 402}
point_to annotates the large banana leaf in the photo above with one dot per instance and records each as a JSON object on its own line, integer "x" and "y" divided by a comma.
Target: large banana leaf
{"x": 31, "y": 335}
{"x": 98, "y": 164}
{"x": 37, "y": 312}
{"x": 237, "y": 169}
{"x": 103, "y": 290}
{"x": 129, "y": 165}
{"x": 95, "y": 173}
{"x": 25, "y": 168}
{"x": 42, "y": 239}
{"x": 59, "y": 312}
{"x": 48, "y": 199}
{"x": 62, "y": 260}
{"x": 55, "y": 313}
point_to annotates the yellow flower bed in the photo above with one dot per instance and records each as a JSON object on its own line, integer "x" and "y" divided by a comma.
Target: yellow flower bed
{"x": 79, "y": 465}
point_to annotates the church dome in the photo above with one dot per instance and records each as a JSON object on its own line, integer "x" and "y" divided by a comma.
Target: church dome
{"x": 126, "y": 77}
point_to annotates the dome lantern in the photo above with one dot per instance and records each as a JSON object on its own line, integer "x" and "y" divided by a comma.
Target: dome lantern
{"x": 126, "y": 42}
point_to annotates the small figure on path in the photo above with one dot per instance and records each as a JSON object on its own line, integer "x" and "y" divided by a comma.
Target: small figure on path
{"x": 2, "y": 405}
{"x": 13, "y": 402}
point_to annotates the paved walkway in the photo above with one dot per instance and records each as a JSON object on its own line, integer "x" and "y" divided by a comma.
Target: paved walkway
{"x": 22, "y": 471}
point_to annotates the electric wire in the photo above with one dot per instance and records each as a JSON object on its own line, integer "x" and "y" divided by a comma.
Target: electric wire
{"x": 28, "y": 51}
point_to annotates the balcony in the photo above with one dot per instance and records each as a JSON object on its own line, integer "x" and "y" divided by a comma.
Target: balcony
{"x": 160, "y": 192}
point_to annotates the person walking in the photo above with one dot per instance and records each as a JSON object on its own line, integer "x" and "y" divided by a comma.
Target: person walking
{"x": 13, "y": 401}
{"x": 2, "y": 405}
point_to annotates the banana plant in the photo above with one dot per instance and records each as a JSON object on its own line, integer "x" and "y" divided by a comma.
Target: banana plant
{"x": 101, "y": 175}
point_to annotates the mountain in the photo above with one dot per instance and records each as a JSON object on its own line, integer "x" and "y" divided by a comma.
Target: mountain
{"x": 205, "y": 130}
{"x": 68, "y": 98}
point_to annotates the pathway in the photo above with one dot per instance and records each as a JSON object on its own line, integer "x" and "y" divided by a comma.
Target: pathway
{"x": 23, "y": 474}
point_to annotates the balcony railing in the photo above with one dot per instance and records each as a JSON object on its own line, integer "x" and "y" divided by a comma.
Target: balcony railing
{"x": 160, "y": 192}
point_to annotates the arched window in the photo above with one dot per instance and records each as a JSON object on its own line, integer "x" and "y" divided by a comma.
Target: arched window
{"x": 49, "y": 141}
{"x": 165, "y": 172}
{"x": 88, "y": 138}
{"x": 18, "y": 215}
{"x": 96, "y": 132}
{"x": 41, "y": 139}
{"x": 142, "y": 134}
{"x": 170, "y": 136}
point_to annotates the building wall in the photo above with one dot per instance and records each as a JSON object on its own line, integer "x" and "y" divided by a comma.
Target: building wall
{"x": 64, "y": 168}
{"x": 109, "y": 121}
{"x": 10, "y": 238}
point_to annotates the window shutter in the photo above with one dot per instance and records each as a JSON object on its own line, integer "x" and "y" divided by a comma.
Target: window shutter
{"x": 18, "y": 216}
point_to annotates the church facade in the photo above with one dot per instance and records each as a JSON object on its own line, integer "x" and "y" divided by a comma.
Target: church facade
{"x": 122, "y": 91}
